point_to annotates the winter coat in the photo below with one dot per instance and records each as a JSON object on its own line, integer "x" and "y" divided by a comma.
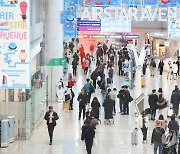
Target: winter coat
{"x": 140, "y": 121}
{"x": 95, "y": 107}
{"x": 162, "y": 103}
{"x": 55, "y": 115}
{"x": 153, "y": 99}
{"x": 108, "y": 108}
{"x": 157, "y": 135}
{"x": 173, "y": 125}
{"x": 175, "y": 97}
{"x": 74, "y": 64}
{"x": 82, "y": 99}
{"x": 94, "y": 75}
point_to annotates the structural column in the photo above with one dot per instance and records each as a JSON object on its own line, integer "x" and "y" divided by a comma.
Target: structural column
{"x": 140, "y": 42}
{"x": 53, "y": 43}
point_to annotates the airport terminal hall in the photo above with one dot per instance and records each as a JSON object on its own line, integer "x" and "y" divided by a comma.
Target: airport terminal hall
{"x": 89, "y": 76}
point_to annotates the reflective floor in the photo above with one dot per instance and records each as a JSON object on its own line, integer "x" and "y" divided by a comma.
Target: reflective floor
{"x": 110, "y": 139}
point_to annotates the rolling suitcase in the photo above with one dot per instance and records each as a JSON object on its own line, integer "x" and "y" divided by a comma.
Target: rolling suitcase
{"x": 142, "y": 82}
{"x": 134, "y": 137}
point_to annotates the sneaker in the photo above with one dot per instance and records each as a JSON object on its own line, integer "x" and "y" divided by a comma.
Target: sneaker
{"x": 50, "y": 143}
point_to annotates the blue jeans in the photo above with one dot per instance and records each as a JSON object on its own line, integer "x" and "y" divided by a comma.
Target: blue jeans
{"x": 156, "y": 146}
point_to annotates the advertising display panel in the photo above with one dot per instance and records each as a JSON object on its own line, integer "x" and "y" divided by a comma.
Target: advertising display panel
{"x": 174, "y": 29}
{"x": 15, "y": 44}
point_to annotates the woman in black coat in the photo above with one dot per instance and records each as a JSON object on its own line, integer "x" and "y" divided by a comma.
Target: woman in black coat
{"x": 161, "y": 67}
{"x": 95, "y": 107}
{"x": 108, "y": 107}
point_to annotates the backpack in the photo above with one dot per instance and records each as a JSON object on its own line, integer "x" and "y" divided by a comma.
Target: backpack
{"x": 158, "y": 133}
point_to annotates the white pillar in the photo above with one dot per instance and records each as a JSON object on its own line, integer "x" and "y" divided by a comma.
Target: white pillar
{"x": 54, "y": 42}
{"x": 139, "y": 62}
{"x": 140, "y": 42}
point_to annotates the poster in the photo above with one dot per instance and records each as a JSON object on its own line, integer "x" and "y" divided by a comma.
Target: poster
{"x": 174, "y": 29}
{"x": 15, "y": 44}
{"x": 68, "y": 18}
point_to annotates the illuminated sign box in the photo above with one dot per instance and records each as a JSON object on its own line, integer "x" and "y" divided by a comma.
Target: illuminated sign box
{"x": 15, "y": 44}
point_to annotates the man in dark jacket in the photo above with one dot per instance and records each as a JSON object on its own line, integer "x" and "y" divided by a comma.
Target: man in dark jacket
{"x": 175, "y": 100}
{"x": 127, "y": 99}
{"x": 74, "y": 66}
{"x": 156, "y": 137}
{"x": 121, "y": 98}
{"x": 153, "y": 99}
{"x": 83, "y": 100}
{"x": 88, "y": 134}
{"x": 120, "y": 65}
{"x": 51, "y": 116}
{"x": 94, "y": 76}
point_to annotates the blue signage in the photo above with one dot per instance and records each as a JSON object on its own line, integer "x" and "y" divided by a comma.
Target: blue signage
{"x": 150, "y": 2}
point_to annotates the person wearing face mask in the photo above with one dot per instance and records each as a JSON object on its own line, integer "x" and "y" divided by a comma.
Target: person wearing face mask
{"x": 51, "y": 116}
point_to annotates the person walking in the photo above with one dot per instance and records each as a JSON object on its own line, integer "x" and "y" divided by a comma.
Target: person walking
{"x": 88, "y": 134}
{"x": 153, "y": 99}
{"x": 112, "y": 95}
{"x": 170, "y": 71}
{"x": 144, "y": 67}
{"x": 95, "y": 107}
{"x": 74, "y": 66}
{"x": 143, "y": 122}
{"x": 162, "y": 105}
{"x": 127, "y": 99}
{"x": 108, "y": 108}
{"x": 175, "y": 100}
{"x": 120, "y": 65}
{"x": 163, "y": 122}
{"x": 83, "y": 100}
{"x": 72, "y": 98}
{"x": 110, "y": 73}
{"x": 89, "y": 89}
{"x": 51, "y": 116}
{"x": 156, "y": 138}
{"x": 103, "y": 87}
{"x": 94, "y": 76}
{"x": 175, "y": 70}
{"x": 161, "y": 67}
{"x": 67, "y": 98}
{"x": 121, "y": 98}
{"x": 152, "y": 67}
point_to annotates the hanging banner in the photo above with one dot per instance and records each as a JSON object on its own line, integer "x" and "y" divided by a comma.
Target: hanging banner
{"x": 15, "y": 44}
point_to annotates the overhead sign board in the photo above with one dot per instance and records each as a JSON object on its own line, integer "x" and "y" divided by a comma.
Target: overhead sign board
{"x": 15, "y": 44}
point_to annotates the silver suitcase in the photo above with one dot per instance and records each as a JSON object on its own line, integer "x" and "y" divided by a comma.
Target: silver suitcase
{"x": 134, "y": 137}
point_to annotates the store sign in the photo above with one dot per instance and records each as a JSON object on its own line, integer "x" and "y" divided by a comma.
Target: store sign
{"x": 57, "y": 62}
{"x": 131, "y": 13}
{"x": 15, "y": 44}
